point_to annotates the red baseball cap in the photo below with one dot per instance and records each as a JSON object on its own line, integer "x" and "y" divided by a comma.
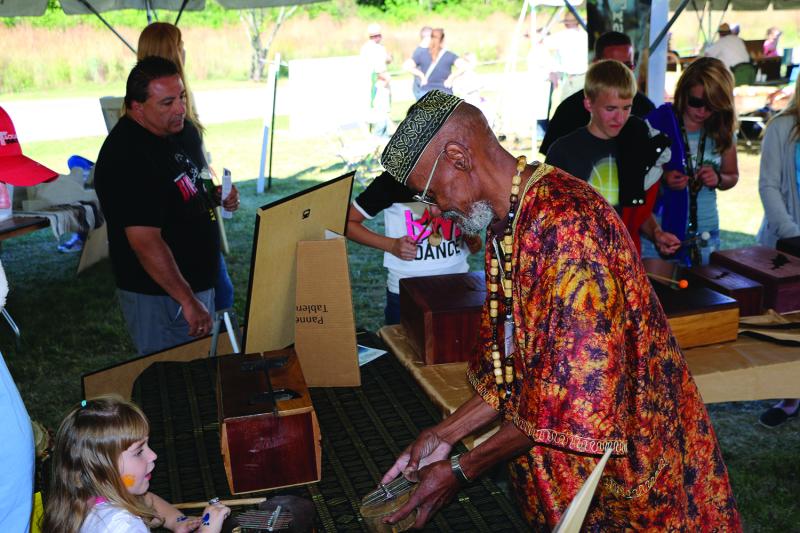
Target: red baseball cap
{"x": 15, "y": 168}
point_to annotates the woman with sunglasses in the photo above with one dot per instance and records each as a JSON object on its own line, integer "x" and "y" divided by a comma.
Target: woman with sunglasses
{"x": 701, "y": 124}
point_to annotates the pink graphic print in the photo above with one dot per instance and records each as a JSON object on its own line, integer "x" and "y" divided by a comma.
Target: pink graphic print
{"x": 417, "y": 231}
{"x": 186, "y": 186}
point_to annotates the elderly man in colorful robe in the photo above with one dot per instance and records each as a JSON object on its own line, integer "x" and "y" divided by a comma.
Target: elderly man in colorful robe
{"x": 576, "y": 355}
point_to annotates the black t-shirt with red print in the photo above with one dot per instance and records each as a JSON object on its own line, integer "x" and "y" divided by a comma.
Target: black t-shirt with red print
{"x": 146, "y": 180}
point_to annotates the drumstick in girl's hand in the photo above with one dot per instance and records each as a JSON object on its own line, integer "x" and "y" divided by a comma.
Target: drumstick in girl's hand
{"x": 682, "y": 283}
{"x": 228, "y": 503}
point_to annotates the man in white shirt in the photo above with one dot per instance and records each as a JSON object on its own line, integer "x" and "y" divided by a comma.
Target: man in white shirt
{"x": 729, "y": 48}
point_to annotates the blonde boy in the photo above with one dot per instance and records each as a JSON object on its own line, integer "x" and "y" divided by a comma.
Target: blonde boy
{"x": 619, "y": 155}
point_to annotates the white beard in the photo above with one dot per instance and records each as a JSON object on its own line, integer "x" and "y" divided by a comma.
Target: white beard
{"x": 479, "y": 217}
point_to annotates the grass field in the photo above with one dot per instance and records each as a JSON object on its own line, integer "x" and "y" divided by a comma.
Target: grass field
{"x": 72, "y": 325}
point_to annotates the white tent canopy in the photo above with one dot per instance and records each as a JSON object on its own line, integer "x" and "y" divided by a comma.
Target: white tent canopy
{"x": 35, "y": 8}
{"x": 738, "y": 5}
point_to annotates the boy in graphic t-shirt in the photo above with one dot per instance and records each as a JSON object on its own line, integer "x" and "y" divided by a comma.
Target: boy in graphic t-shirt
{"x": 619, "y": 154}
{"x": 414, "y": 245}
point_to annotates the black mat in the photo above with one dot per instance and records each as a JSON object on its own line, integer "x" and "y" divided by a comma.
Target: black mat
{"x": 363, "y": 430}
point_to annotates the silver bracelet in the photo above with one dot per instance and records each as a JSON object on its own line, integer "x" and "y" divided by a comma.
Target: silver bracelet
{"x": 455, "y": 466}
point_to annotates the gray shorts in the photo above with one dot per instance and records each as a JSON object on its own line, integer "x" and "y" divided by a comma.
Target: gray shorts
{"x": 156, "y": 323}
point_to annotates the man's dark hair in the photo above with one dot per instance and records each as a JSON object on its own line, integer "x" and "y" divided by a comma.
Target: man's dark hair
{"x": 148, "y": 69}
{"x": 611, "y": 38}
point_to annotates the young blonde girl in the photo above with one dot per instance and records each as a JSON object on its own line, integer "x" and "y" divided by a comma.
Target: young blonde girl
{"x": 101, "y": 475}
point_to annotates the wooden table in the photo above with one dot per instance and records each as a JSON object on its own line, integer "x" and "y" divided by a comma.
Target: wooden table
{"x": 16, "y": 226}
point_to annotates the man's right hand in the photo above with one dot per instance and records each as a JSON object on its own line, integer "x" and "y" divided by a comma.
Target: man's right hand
{"x": 675, "y": 180}
{"x": 428, "y": 448}
{"x": 198, "y": 317}
{"x": 404, "y": 247}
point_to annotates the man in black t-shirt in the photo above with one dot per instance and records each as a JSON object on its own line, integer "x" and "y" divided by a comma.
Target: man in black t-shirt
{"x": 162, "y": 231}
{"x": 571, "y": 114}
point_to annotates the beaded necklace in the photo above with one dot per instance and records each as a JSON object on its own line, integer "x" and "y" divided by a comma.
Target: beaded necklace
{"x": 504, "y": 380}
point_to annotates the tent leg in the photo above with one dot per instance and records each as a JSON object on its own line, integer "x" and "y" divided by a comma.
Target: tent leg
{"x": 109, "y": 26}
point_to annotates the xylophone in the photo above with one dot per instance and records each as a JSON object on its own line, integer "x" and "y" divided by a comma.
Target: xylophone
{"x": 777, "y": 271}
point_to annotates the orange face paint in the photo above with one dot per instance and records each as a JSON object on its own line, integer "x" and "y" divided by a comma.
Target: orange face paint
{"x": 128, "y": 480}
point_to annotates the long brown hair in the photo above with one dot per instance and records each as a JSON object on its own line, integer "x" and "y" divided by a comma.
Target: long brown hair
{"x": 163, "y": 39}
{"x": 88, "y": 445}
{"x": 793, "y": 109}
{"x": 717, "y": 82}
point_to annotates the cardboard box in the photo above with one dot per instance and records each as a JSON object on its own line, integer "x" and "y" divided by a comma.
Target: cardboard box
{"x": 325, "y": 332}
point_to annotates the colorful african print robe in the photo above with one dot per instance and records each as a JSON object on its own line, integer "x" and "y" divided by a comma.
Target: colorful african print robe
{"x": 596, "y": 367}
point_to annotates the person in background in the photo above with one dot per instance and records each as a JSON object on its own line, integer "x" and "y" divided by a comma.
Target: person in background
{"x": 416, "y": 243}
{"x": 163, "y": 236}
{"x": 729, "y": 48}
{"x": 779, "y": 188}
{"x": 375, "y": 58}
{"x": 162, "y": 39}
{"x": 702, "y": 125}
{"x": 435, "y": 67}
{"x": 568, "y": 50}
{"x": 16, "y": 434}
{"x": 424, "y": 43}
{"x": 571, "y": 114}
{"x": 771, "y": 42}
{"x": 618, "y": 154}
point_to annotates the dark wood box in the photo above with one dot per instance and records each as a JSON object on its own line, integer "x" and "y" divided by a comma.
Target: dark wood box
{"x": 789, "y": 246}
{"x": 441, "y": 315}
{"x": 265, "y": 448}
{"x": 747, "y": 292}
{"x": 699, "y": 316}
{"x": 778, "y": 272}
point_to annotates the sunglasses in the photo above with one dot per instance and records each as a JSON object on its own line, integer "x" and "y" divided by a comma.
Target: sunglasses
{"x": 697, "y": 103}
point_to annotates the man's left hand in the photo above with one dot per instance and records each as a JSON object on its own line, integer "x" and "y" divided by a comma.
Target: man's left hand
{"x": 437, "y": 486}
{"x": 231, "y": 203}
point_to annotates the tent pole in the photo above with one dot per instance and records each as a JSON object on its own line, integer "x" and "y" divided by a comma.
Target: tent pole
{"x": 109, "y": 26}
{"x": 180, "y": 11}
{"x": 272, "y": 126}
{"x": 577, "y": 16}
{"x": 663, "y": 32}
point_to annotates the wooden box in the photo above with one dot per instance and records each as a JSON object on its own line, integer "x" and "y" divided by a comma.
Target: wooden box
{"x": 441, "y": 315}
{"x": 747, "y": 292}
{"x": 699, "y": 316}
{"x": 266, "y": 444}
{"x": 778, "y": 272}
{"x": 789, "y": 246}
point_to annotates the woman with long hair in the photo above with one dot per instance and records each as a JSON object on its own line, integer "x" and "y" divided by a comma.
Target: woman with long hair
{"x": 779, "y": 187}
{"x": 702, "y": 124}
{"x": 163, "y": 39}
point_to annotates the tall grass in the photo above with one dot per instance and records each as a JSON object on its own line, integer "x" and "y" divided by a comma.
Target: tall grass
{"x": 35, "y": 58}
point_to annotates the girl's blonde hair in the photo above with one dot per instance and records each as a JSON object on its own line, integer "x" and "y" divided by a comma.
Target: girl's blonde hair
{"x": 87, "y": 448}
{"x": 717, "y": 82}
{"x": 163, "y": 39}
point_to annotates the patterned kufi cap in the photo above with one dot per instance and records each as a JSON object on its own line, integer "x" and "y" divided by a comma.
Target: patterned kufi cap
{"x": 424, "y": 119}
